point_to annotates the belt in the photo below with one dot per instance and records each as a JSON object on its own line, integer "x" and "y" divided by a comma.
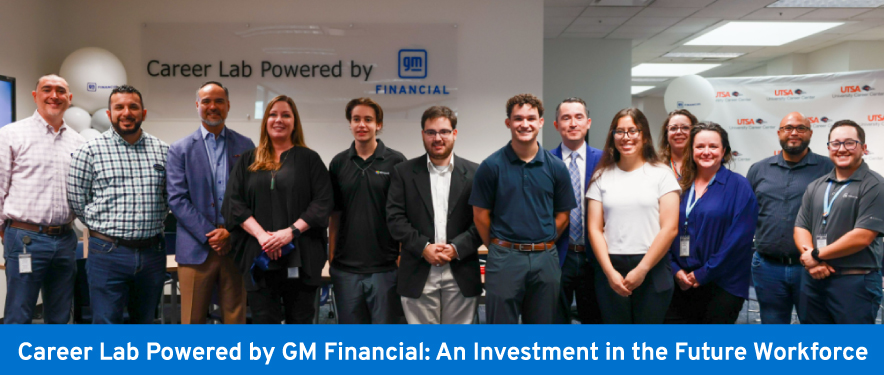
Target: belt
{"x": 52, "y": 230}
{"x": 138, "y": 244}
{"x": 576, "y": 248}
{"x": 853, "y": 271}
{"x": 524, "y": 246}
{"x": 789, "y": 260}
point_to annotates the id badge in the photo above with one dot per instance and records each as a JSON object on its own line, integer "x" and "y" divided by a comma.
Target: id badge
{"x": 24, "y": 263}
{"x": 293, "y": 272}
{"x": 684, "y": 248}
{"x": 821, "y": 241}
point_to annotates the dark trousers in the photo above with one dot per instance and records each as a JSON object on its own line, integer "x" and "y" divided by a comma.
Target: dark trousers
{"x": 777, "y": 286}
{"x": 578, "y": 282}
{"x": 707, "y": 304}
{"x": 54, "y": 269}
{"x": 282, "y": 299}
{"x": 367, "y": 298}
{"x": 525, "y": 283}
{"x": 122, "y": 277}
{"x": 648, "y": 302}
{"x": 840, "y": 299}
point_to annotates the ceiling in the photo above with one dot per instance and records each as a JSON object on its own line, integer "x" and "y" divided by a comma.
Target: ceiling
{"x": 658, "y": 27}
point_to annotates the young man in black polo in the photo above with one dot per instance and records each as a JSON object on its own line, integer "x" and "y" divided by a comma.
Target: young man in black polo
{"x": 521, "y": 200}
{"x": 362, "y": 253}
{"x": 838, "y": 230}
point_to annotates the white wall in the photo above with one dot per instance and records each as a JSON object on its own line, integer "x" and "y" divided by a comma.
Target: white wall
{"x": 593, "y": 69}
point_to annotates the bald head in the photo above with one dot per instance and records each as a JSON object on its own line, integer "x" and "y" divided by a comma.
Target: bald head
{"x": 54, "y": 78}
{"x": 795, "y": 118}
{"x": 794, "y": 134}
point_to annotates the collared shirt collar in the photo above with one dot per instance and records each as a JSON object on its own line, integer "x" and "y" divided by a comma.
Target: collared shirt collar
{"x": 431, "y": 166}
{"x": 206, "y": 133}
{"x": 566, "y": 152}
{"x": 858, "y": 175}
{"x": 116, "y": 136}
{"x": 722, "y": 175}
{"x": 378, "y": 151}
{"x": 806, "y": 160}
{"x": 540, "y": 157}
{"x": 40, "y": 120}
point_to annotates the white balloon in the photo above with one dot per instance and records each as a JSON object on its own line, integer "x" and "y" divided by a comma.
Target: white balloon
{"x": 693, "y": 93}
{"x": 77, "y": 118}
{"x": 90, "y": 134}
{"x": 100, "y": 121}
{"x": 92, "y": 73}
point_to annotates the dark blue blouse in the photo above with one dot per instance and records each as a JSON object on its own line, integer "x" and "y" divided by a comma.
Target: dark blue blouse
{"x": 721, "y": 228}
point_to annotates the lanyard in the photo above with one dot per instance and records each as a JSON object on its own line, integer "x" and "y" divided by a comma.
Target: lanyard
{"x": 827, "y": 206}
{"x": 672, "y": 166}
{"x": 689, "y": 205}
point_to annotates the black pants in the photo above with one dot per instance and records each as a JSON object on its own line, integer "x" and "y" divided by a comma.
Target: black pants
{"x": 282, "y": 299}
{"x": 578, "y": 283}
{"x": 708, "y": 304}
{"x": 648, "y": 302}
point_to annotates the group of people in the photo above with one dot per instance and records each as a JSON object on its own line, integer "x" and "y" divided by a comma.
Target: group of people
{"x": 635, "y": 236}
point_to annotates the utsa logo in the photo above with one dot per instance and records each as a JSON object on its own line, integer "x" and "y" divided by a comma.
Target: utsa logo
{"x": 867, "y": 88}
{"x": 745, "y": 121}
{"x": 824, "y": 119}
{"x": 788, "y": 92}
{"x": 813, "y": 120}
{"x": 725, "y": 94}
{"x": 736, "y": 153}
{"x": 876, "y": 118}
{"x": 850, "y": 89}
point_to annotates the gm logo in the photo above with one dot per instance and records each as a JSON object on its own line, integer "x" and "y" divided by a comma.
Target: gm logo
{"x": 412, "y": 63}
{"x": 91, "y": 87}
{"x": 680, "y": 105}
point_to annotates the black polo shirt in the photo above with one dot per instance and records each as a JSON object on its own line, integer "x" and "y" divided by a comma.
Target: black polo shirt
{"x": 859, "y": 205}
{"x": 779, "y": 188}
{"x": 523, "y": 197}
{"x": 360, "y": 186}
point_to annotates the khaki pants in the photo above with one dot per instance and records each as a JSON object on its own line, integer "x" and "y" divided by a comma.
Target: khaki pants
{"x": 199, "y": 281}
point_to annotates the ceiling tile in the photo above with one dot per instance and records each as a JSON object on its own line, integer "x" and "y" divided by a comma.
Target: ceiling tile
{"x": 592, "y": 28}
{"x": 611, "y": 11}
{"x": 667, "y": 12}
{"x": 566, "y": 3}
{"x": 652, "y": 22}
{"x": 693, "y": 25}
{"x": 630, "y": 34}
{"x": 681, "y": 3}
{"x": 583, "y": 35}
{"x": 558, "y": 21}
{"x": 776, "y": 14}
{"x": 669, "y": 39}
{"x": 553, "y": 29}
{"x": 872, "y": 14}
{"x": 600, "y": 20}
{"x": 833, "y": 14}
{"x": 731, "y": 9}
{"x": 572, "y": 12}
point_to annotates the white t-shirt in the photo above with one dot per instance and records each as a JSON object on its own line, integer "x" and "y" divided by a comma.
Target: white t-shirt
{"x": 630, "y": 201}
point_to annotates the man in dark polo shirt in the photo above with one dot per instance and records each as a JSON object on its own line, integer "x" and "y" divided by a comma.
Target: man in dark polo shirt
{"x": 839, "y": 230}
{"x": 361, "y": 251}
{"x": 521, "y": 200}
{"x": 779, "y": 183}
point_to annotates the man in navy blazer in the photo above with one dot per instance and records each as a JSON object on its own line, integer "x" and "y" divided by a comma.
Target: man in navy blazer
{"x": 196, "y": 179}
{"x": 573, "y": 122}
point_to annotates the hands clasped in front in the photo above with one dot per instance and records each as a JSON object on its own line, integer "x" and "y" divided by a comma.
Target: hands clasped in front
{"x": 439, "y": 254}
{"x": 818, "y": 270}
{"x": 272, "y": 242}
{"x": 625, "y": 285}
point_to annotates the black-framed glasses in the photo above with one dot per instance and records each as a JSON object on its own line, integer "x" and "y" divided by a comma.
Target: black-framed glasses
{"x": 801, "y": 129}
{"x": 849, "y": 145}
{"x": 445, "y": 133}
{"x": 632, "y": 132}
{"x": 675, "y": 129}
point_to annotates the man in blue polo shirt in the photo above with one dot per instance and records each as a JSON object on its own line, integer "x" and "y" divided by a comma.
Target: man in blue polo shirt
{"x": 779, "y": 183}
{"x": 521, "y": 200}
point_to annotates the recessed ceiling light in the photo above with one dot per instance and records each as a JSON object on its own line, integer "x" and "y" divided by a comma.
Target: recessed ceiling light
{"x": 669, "y": 70}
{"x": 705, "y": 55}
{"x": 827, "y": 4}
{"x": 643, "y": 79}
{"x": 760, "y": 33}
{"x": 641, "y": 89}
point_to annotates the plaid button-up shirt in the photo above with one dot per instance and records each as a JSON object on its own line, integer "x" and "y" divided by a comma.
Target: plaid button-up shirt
{"x": 34, "y": 162}
{"x": 119, "y": 189}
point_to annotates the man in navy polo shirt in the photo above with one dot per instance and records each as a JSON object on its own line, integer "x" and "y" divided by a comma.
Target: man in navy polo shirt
{"x": 521, "y": 200}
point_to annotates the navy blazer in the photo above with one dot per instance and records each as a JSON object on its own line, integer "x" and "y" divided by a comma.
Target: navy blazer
{"x": 192, "y": 193}
{"x": 593, "y": 155}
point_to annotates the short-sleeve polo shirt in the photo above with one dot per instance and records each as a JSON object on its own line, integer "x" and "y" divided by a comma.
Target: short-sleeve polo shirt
{"x": 859, "y": 205}
{"x": 523, "y": 197}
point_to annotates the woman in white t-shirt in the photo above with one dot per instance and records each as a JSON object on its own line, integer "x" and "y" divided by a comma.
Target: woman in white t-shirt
{"x": 632, "y": 219}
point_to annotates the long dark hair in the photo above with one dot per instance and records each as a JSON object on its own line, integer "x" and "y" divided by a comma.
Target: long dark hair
{"x": 689, "y": 167}
{"x": 665, "y": 148}
{"x": 611, "y": 156}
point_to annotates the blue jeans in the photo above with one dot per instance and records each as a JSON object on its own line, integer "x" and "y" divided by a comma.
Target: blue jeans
{"x": 54, "y": 269}
{"x": 777, "y": 286}
{"x": 123, "y": 277}
{"x": 840, "y": 299}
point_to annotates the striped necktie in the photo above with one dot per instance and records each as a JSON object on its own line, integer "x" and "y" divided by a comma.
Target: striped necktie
{"x": 576, "y": 226}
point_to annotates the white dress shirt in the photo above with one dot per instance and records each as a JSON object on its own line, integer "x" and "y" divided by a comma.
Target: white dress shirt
{"x": 580, "y": 154}
{"x": 440, "y": 186}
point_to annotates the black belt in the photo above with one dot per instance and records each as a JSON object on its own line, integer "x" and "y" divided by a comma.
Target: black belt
{"x": 137, "y": 244}
{"x": 783, "y": 259}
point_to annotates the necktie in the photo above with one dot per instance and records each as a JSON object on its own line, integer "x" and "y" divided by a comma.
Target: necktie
{"x": 576, "y": 226}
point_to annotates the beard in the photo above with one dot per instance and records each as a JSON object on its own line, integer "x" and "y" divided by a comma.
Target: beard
{"x": 796, "y": 150}
{"x": 206, "y": 121}
{"x": 444, "y": 154}
{"x": 122, "y": 131}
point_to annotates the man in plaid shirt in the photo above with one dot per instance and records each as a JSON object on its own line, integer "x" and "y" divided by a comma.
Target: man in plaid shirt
{"x": 117, "y": 187}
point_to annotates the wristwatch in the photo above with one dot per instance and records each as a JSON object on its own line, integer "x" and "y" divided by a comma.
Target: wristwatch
{"x": 816, "y": 255}
{"x": 295, "y": 231}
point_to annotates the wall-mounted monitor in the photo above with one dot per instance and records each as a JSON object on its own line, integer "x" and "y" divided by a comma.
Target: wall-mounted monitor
{"x": 7, "y": 100}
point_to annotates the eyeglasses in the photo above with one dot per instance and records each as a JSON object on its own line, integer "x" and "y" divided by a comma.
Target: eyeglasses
{"x": 632, "y": 132}
{"x": 675, "y": 129}
{"x": 801, "y": 129}
{"x": 848, "y": 145}
{"x": 445, "y": 133}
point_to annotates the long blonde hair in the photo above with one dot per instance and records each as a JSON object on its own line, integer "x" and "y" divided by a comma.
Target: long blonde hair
{"x": 265, "y": 155}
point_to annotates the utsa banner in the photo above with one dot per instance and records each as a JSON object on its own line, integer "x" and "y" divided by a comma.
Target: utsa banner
{"x": 750, "y": 108}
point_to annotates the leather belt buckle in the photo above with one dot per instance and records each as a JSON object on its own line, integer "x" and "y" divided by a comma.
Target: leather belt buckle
{"x": 54, "y": 231}
{"x": 526, "y": 247}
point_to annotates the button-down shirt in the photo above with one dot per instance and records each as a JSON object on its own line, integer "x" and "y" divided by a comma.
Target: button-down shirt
{"x": 119, "y": 189}
{"x": 440, "y": 185}
{"x": 580, "y": 154}
{"x": 216, "y": 148}
{"x": 34, "y": 161}
{"x": 779, "y": 188}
